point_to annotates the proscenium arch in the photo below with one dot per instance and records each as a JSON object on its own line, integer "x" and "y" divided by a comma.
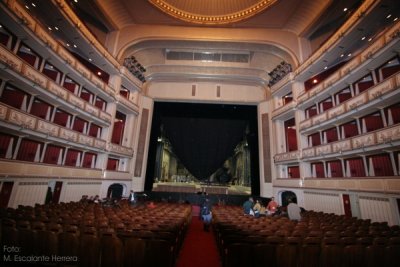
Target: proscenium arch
{"x": 135, "y": 47}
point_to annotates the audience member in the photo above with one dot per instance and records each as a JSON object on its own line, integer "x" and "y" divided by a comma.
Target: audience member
{"x": 248, "y": 206}
{"x": 257, "y": 208}
{"x": 151, "y": 205}
{"x": 96, "y": 199}
{"x": 206, "y": 214}
{"x": 293, "y": 211}
{"x": 132, "y": 198}
{"x": 272, "y": 206}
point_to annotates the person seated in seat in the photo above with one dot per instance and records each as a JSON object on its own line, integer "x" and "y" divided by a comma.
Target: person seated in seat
{"x": 257, "y": 209}
{"x": 248, "y": 206}
{"x": 272, "y": 206}
{"x": 293, "y": 210}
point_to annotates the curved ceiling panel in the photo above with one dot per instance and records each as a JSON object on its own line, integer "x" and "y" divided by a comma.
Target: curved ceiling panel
{"x": 212, "y": 11}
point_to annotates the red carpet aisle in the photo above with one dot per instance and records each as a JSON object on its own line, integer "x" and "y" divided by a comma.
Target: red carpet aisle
{"x": 199, "y": 248}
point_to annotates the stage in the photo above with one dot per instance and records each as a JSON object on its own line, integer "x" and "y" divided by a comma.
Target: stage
{"x": 192, "y": 187}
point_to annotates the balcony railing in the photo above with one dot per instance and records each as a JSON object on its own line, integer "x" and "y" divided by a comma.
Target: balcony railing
{"x": 27, "y": 121}
{"x": 356, "y": 103}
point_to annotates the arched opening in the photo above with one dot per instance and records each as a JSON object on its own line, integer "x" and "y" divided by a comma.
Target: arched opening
{"x": 286, "y": 195}
{"x": 115, "y": 191}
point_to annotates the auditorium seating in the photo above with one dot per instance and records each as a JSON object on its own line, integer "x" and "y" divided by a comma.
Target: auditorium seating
{"x": 96, "y": 235}
{"x": 319, "y": 239}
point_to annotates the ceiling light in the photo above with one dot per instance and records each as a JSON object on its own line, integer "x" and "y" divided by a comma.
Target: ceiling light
{"x": 27, "y": 7}
{"x": 315, "y": 81}
{"x": 49, "y": 28}
{"x": 342, "y": 55}
{"x": 75, "y": 46}
{"x": 363, "y": 38}
{"x": 67, "y": 44}
{"x": 326, "y": 67}
{"x": 370, "y": 39}
{"x": 55, "y": 27}
{"x": 396, "y": 18}
{"x": 33, "y": 4}
{"x": 99, "y": 73}
{"x": 349, "y": 55}
{"x": 1, "y": 26}
{"x": 90, "y": 59}
{"x": 345, "y": 9}
{"x": 388, "y": 16}
{"x": 76, "y": 1}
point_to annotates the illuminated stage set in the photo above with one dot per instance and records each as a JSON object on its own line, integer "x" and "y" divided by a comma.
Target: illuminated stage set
{"x": 203, "y": 148}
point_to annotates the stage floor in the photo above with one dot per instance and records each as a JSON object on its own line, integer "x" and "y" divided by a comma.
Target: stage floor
{"x": 191, "y": 187}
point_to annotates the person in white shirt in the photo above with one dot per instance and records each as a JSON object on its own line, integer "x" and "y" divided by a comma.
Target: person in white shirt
{"x": 294, "y": 211}
{"x": 132, "y": 198}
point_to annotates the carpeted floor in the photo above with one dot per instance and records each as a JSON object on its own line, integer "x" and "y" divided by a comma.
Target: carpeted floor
{"x": 199, "y": 248}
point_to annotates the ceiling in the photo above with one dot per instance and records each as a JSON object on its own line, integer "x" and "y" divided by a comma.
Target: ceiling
{"x": 312, "y": 20}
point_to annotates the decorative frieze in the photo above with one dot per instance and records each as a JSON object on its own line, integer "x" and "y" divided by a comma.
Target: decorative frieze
{"x": 21, "y": 13}
{"x": 21, "y": 119}
{"x": 388, "y": 135}
{"x": 287, "y": 78}
{"x": 332, "y": 79}
{"x": 10, "y": 60}
{"x": 105, "y": 116}
{"x": 46, "y": 38}
{"x": 308, "y": 152}
{"x": 363, "y": 141}
{"x": 76, "y": 101}
{"x": 91, "y": 109}
{"x": 319, "y": 118}
{"x": 316, "y": 90}
{"x": 68, "y": 135}
{"x": 381, "y": 89}
{"x": 3, "y": 112}
{"x": 324, "y": 149}
{"x": 47, "y": 128}
{"x": 336, "y": 111}
{"x": 85, "y": 139}
{"x": 398, "y": 80}
{"x": 351, "y": 65}
{"x": 120, "y": 149}
{"x": 393, "y": 33}
{"x": 100, "y": 143}
{"x": 127, "y": 103}
{"x": 371, "y": 50}
{"x": 97, "y": 82}
{"x": 109, "y": 90}
{"x": 338, "y": 147}
{"x": 283, "y": 108}
{"x": 34, "y": 75}
{"x": 57, "y": 90}
{"x": 293, "y": 155}
{"x": 305, "y": 124}
{"x": 356, "y": 101}
{"x": 303, "y": 97}
{"x": 83, "y": 70}
{"x": 64, "y": 54}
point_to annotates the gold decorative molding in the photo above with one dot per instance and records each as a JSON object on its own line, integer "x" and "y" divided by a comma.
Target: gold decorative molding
{"x": 209, "y": 19}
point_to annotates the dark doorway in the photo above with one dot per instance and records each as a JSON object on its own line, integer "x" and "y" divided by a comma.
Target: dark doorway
{"x": 5, "y": 194}
{"x": 115, "y": 191}
{"x": 286, "y": 196}
{"x": 347, "y": 205}
{"x": 193, "y": 130}
{"x": 57, "y": 192}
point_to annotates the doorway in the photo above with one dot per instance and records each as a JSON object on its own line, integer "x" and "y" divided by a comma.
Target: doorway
{"x": 5, "y": 194}
{"x": 115, "y": 191}
{"x": 286, "y": 195}
{"x": 347, "y": 205}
